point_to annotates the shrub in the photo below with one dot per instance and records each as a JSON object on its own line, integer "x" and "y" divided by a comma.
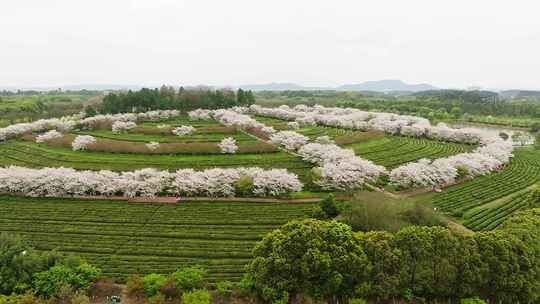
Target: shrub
{"x": 422, "y": 216}
{"x": 169, "y": 289}
{"x": 462, "y": 171}
{"x": 135, "y": 287}
{"x": 152, "y": 283}
{"x": 80, "y": 298}
{"x": 475, "y": 300}
{"x": 156, "y": 299}
{"x": 357, "y": 301}
{"x": 103, "y": 288}
{"x": 329, "y": 206}
{"x": 197, "y": 296}
{"x": 49, "y": 282}
{"x": 189, "y": 278}
{"x": 244, "y": 185}
{"x": 224, "y": 288}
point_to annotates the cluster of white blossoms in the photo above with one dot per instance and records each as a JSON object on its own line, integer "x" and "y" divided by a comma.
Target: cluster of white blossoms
{"x": 109, "y": 119}
{"x": 123, "y": 126}
{"x": 231, "y": 118}
{"x": 339, "y": 168}
{"x": 492, "y": 154}
{"x": 290, "y": 140}
{"x": 221, "y": 182}
{"x": 228, "y": 145}
{"x": 153, "y": 145}
{"x": 12, "y": 131}
{"x": 444, "y": 171}
{"x": 68, "y": 123}
{"x": 50, "y": 135}
{"x": 355, "y": 119}
{"x": 293, "y": 125}
{"x": 183, "y": 130}
{"x": 81, "y": 142}
{"x": 55, "y": 182}
{"x": 200, "y": 114}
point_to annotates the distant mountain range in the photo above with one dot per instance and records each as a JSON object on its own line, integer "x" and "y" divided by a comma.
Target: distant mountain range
{"x": 387, "y": 85}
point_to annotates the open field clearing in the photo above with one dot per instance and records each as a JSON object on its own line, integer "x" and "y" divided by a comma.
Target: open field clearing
{"x": 123, "y": 238}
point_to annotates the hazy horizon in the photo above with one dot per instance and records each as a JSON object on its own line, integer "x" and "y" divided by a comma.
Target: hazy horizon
{"x": 455, "y": 44}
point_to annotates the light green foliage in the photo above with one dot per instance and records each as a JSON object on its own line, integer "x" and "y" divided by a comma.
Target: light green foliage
{"x": 225, "y": 288}
{"x": 189, "y": 278}
{"x": 462, "y": 171}
{"x": 152, "y": 283}
{"x": 197, "y": 296}
{"x": 244, "y": 185}
{"x": 475, "y": 300}
{"x": 80, "y": 277}
{"x": 156, "y": 299}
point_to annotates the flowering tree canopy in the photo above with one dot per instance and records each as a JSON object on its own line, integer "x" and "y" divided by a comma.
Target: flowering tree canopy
{"x": 123, "y": 126}
{"x": 81, "y": 142}
{"x": 48, "y": 136}
{"x": 228, "y": 145}
{"x": 183, "y": 130}
{"x": 148, "y": 182}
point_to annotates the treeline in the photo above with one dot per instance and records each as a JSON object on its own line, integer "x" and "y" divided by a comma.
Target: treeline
{"x": 168, "y": 97}
{"x": 440, "y": 105}
{"x": 327, "y": 260}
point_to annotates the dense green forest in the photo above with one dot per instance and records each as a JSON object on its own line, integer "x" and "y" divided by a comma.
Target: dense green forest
{"x": 168, "y": 97}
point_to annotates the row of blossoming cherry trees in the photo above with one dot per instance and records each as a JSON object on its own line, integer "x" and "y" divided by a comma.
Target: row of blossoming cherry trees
{"x": 336, "y": 168}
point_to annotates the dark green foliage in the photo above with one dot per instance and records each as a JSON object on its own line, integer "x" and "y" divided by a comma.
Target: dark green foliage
{"x": 535, "y": 127}
{"x": 90, "y": 111}
{"x": 320, "y": 259}
{"x": 329, "y": 206}
{"x": 170, "y": 98}
{"x": 19, "y": 262}
{"x": 428, "y": 263}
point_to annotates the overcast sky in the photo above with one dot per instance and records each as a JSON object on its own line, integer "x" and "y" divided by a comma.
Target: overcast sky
{"x": 451, "y": 43}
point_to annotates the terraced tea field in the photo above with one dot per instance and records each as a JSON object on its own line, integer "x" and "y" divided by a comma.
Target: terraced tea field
{"x": 124, "y": 238}
{"x": 392, "y": 151}
{"x": 522, "y": 172}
